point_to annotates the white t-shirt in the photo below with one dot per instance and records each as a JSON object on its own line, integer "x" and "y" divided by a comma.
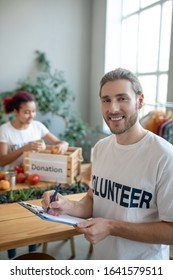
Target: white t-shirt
{"x": 132, "y": 183}
{"x": 17, "y": 138}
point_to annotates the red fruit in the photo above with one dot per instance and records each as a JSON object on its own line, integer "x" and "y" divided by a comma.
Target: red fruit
{"x": 33, "y": 179}
{"x": 19, "y": 169}
{"x": 20, "y": 177}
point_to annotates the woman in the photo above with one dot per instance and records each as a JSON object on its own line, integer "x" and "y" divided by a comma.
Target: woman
{"x": 22, "y": 134}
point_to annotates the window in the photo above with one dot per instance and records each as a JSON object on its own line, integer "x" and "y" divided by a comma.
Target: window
{"x": 143, "y": 35}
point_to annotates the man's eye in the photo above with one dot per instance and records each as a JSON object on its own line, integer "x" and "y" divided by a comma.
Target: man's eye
{"x": 105, "y": 100}
{"x": 122, "y": 99}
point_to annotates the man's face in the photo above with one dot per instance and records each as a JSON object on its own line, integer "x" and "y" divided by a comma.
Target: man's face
{"x": 120, "y": 105}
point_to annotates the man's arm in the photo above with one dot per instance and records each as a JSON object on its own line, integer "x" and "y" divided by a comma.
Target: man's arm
{"x": 156, "y": 232}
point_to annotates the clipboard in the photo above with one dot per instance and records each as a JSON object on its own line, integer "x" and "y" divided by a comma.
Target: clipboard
{"x": 63, "y": 219}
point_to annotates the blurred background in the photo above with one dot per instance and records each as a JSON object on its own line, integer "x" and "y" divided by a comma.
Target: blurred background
{"x": 83, "y": 39}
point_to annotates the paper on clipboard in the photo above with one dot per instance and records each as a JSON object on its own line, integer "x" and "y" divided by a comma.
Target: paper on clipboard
{"x": 64, "y": 219}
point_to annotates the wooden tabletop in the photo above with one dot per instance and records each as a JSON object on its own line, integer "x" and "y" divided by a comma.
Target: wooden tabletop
{"x": 19, "y": 227}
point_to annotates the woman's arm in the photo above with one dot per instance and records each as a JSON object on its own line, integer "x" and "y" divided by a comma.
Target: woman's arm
{"x": 7, "y": 158}
{"x": 62, "y": 145}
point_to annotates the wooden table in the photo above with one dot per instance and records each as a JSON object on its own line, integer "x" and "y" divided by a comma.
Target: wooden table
{"x": 19, "y": 227}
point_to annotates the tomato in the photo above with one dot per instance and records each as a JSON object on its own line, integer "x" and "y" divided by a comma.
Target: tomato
{"x": 33, "y": 179}
{"x": 19, "y": 169}
{"x": 21, "y": 177}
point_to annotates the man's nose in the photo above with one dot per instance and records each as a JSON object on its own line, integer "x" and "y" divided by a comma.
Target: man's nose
{"x": 114, "y": 107}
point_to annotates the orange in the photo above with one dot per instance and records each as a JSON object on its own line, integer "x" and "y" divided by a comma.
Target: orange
{"x": 4, "y": 185}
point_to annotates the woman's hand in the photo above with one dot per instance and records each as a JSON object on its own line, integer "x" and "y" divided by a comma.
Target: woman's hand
{"x": 62, "y": 147}
{"x": 41, "y": 145}
{"x": 34, "y": 146}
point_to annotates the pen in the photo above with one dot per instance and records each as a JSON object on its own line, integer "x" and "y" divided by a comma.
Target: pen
{"x": 54, "y": 195}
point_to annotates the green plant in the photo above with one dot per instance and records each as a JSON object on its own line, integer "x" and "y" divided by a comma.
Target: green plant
{"x": 23, "y": 194}
{"x": 50, "y": 89}
{"x": 36, "y": 193}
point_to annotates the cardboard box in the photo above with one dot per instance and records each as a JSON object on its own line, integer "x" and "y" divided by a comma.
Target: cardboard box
{"x": 52, "y": 167}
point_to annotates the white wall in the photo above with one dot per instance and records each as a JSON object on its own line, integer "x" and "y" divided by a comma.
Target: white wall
{"x": 70, "y": 32}
{"x": 97, "y": 59}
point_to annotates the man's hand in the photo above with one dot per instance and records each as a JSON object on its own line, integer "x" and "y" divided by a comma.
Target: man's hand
{"x": 61, "y": 205}
{"x": 95, "y": 230}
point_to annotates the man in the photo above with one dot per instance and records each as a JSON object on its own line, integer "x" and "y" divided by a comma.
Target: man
{"x": 131, "y": 195}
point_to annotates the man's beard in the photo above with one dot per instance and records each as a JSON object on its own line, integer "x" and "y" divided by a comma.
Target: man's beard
{"x": 116, "y": 129}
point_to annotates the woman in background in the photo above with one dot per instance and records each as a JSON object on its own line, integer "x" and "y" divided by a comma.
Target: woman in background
{"x": 22, "y": 134}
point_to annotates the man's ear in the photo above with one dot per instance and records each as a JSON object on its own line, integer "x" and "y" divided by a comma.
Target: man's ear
{"x": 140, "y": 100}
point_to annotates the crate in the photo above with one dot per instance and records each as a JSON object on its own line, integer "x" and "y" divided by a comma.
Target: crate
{"x": 52, "y": 167}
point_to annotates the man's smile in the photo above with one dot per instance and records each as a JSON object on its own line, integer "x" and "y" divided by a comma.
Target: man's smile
{"x": 116, "y": 118}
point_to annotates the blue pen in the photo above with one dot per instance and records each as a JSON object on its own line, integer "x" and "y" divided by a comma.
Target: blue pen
{"x": 54, "y": 195}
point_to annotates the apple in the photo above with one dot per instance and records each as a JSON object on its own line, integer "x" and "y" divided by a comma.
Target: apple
{"x": 21, "y": 177}
{"x": 4, "y": 185}
{"x": 33, "y": 179}
{"x": 19, "y": 169}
